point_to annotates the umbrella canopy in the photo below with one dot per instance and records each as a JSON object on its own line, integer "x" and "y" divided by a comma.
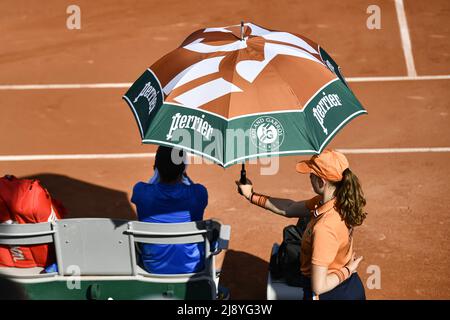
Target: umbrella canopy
{"x": 241, "y": 92}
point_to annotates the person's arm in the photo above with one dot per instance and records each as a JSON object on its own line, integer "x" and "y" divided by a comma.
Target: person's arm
{"x": 201, "y": 200}
{"x": 136, "y": 197}
{"x": 284, "y": 207}
{"x": 322, "y": 282}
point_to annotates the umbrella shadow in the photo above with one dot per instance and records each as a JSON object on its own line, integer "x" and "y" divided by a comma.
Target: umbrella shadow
{"x": 86, "y": 200}
{"x": 245, "y": 275}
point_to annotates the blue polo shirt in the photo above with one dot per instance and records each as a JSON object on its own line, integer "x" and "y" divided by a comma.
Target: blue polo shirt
{"x": 171, "y": 203}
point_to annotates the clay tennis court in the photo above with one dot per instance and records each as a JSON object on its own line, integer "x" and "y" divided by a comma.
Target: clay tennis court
{"x": 406, "y": 231}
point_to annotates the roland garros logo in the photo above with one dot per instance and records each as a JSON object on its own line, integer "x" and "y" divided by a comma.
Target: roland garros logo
{"x": 267, "y": 133}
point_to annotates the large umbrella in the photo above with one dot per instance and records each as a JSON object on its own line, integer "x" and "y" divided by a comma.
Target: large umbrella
{"x": 241, "y": 92}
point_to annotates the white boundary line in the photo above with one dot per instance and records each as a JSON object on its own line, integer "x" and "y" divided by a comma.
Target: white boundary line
{"x": 65, "y": 86}
{"x": 39, "y": 157}
{"x": 401, "y": 78}
{"x": 332, "y": 134}
{"x": 152, "y": 154}
{"x": 406, "y": 41}
{"x": 394, "y": 150}
{"x": 129, "y": 84}
{"x": 406, "y": 44}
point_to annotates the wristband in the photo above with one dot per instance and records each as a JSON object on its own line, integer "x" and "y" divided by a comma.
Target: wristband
{"x": 343, "y": 274}
{"x": 259, "y": 199}
{"x": 349, "y": 272}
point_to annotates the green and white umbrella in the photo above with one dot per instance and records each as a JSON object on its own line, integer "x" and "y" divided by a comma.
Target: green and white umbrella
{"x": 242, "y": 92}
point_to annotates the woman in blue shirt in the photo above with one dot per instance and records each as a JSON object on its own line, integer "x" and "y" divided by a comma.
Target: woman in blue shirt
{"x": 171, "y": 197}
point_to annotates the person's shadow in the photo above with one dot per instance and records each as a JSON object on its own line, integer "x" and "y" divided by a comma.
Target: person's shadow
{"x": 86, "y": 200}
{"x": 244, "y": 275}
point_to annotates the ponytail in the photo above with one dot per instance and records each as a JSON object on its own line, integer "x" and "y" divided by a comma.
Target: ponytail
{"x": 350, "y": 199}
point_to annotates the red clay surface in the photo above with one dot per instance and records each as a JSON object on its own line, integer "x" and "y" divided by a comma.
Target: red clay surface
{"x": 430, "y": 35}
{"x": 406, "y": 231}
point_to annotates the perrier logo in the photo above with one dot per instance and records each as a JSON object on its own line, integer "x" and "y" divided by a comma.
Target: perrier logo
{"x": 326, "y": 102}
{"x": 149, "y": 93}
{"x": 199, "y": 124}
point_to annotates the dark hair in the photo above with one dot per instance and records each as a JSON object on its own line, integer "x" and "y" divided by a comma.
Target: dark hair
{"x": 350, "y": 199}
{"x": 170, "y": 163}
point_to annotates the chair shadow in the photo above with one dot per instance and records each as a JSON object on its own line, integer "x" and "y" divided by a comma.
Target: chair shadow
{"x": 244, "y": 275}
{"x": 86, "y": 200}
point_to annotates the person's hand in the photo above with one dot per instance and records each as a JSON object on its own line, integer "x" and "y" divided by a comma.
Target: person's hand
{"x": 353, "y": 264}
{"x": 245, "y": 189}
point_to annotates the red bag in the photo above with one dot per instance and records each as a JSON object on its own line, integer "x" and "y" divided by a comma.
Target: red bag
{"x": 27, "y": 201}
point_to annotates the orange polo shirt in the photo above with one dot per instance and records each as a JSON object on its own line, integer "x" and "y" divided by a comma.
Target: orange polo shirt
{"x": 327, "y": 241}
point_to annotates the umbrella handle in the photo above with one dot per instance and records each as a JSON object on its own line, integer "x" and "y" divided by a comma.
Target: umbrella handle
{"x": 243, "y": 179}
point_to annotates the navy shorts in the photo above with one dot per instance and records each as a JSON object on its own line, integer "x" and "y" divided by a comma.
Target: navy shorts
{"x": 350, "y": 289}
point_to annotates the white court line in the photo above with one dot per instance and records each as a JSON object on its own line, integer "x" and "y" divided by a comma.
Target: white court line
{"x": 406, "y": 41}
{"x": 39, "y": 157}
{"x": 402, "y": 78}
{"x": 65, "y": 86}
{"x": 128, "y": 84}
{"x": 393, "y": 150}
{"x": 151, "y": 155}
